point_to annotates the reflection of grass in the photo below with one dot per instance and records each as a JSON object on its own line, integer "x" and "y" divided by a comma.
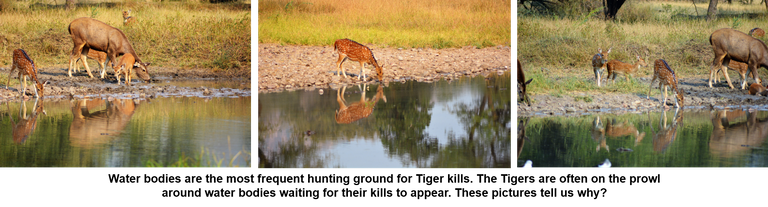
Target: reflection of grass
{"x": 206, "y": 158}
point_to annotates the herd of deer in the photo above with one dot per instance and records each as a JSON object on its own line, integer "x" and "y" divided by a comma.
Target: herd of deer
{"x": 92, "y": 39}
{"x": 747, "y": 52}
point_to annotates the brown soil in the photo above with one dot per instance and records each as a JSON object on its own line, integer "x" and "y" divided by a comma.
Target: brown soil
{"x": 697, "y": 95}
{"x": 61, "y": 86}
{"x": 296, "y": 67}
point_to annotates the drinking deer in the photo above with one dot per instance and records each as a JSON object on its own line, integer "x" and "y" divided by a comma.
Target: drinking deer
{"x": 667, "y": 78}
{"x": 667, "y": 133}
{"x": 737, "y": 66}
{"x": 26, "y": 124}
{"x": 354, "y": 51}
{"x": 358, "y": 110}
{"x": 615, "y": 66}
{"x": 127, "y": 18}
{"x": 729, "y": 44}
{"x": 26, "y": 67}
{"x": 756, "y": 32}
{"x": 90, "y": 34}
{"x": 124, "y": 65}
{"x": 598, "y": 63}
{"x": 522, "y": 84}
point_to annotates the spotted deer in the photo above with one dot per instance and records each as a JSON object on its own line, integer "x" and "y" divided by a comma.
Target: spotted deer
{"x": 729, "y": 44}
{"x": 522, "y": 84}
{"x": 598, "y": 134}
{"x": 615, "y": 66}
{"x": 127, "y": 18}
{"x": 26, "y": 68}
{"x": 667, "y": 78}
{"x": 26, "y": 124}
{"x": 757, "y": 33}
{"x": 100, "y": 57}
{"x": 663, "y": 138}
{"x": 349, "y": 113}
{"x": 598, "y": 63}
{"x": 348, "y": 49}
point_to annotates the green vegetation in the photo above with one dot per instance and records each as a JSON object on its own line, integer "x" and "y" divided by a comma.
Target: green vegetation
{"x": 168, "y": 34}
{"x": 556, "y": 49}
{"x": 398, "y": 23}
{"x": 204, "y": 159}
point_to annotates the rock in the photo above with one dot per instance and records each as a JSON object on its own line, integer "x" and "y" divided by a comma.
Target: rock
{"x": 569, "y": 109}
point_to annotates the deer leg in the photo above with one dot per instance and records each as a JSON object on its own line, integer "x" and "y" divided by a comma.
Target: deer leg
{"x": 716, "y": 63}
{"x": 362, "y": 74}
{"x": 650, "y": 86}
{"x": 76, "y": 53}
{"x": 339, "y": 64}
{"x": 13, "y": 67}
{"x": 103, "y": 66}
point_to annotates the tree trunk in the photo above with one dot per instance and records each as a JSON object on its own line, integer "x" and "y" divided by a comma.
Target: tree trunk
{"x": 712, "y": 10}
{"x": 70, "y": 4}
{"x": 612, "y": 7}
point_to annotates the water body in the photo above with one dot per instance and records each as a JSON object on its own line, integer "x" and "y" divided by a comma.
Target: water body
{"x": 459, "y": 123}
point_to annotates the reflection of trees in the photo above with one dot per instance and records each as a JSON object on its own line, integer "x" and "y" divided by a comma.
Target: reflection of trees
{"x": 402, "y": 128}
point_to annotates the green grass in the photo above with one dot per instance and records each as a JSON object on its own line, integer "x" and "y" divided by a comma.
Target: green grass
{"x": 169, "y": 34}
{"x": 398, "y": 23}
{"x": 556, "y": 50}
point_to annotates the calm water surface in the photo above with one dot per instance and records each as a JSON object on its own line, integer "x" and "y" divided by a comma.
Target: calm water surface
{"x": 126, "y": 133}
{"x": 463, "y": 123}
{"x": 693, "y": 138}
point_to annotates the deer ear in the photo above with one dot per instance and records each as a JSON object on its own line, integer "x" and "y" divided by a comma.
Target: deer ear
{"x": 609, "y": 50}
{"x": 45, "y": 83}
{"x": 599, "y": 50}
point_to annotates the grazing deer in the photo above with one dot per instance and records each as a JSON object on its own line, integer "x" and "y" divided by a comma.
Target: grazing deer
{"x": 356, "y": 111}
{"x": 27, "y": 124}
{"x": 757, "y": 89}
{"x": 667, "y": 133}
{"x": 522, "y": 84}
{"x": 127, "y": 18}
{"x": 90, "y": 34}
{"x": 598, "y": 63}
{"x": 666, "y": 76}
{"x": 124, "y": 66}
{"x": 729, "y": 44}
{"x": 100, "y": 57}
{"x": 354, "y": 51}
{"x": 26, "y": 67}
{"x": 615, "y": 66}
{"x": 756, "y": 32}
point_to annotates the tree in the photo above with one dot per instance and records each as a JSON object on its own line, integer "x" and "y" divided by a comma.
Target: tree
{"x": 712, "y": 10}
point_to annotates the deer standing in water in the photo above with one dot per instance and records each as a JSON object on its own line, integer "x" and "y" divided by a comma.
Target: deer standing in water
{"x": 756, "y": 32}
{"x": 349, "y": 113}
{"x": 26, "y": 67}
{"x": 127, "y": 18}
{"x": 667, "y": 78}
{"x": 615, "y": 66}
{"x": 354, "y": 51}
{"x": 27, "y": 124}
{"x": 598, "y": 63}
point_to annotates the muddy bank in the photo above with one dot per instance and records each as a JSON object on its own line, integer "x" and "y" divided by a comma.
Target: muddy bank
{"x": 61, "y": 86}
{"x": 299, "y": 67}
{"x": 697, "y": 94}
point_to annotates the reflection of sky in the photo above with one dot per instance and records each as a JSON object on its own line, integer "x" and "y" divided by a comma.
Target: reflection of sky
{"x": 363, "y": 153}
{"x": 443, "y": 121}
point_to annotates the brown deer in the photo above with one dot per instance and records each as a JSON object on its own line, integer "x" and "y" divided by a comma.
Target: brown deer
{"x": 615, "y": 66}
{"x": 729, "y": 44}
{"x": 100, "y": 57}
{"x": 354, "y": 51}
{"x": 667, "y": 78}
{"x": 667, "y": 133}
{"x": 522, "y": 84}
{"x": 737, "y": 66}
{"x": 90, "y": 34}
{"x": 616, "y": 130}
{"x": 91, "y": 128}
{"x": 127, "y": 18}
{"x": 27, "y": 124}
{"x": 124, "y": 65}
{"x": 26, "y": 67}
{"x": 756, "y": 32}
{"x": 598, "y": 63}
{"x": 733, "y": 139}
{"x": 757, "y": 89}
{"x": 356, "y": 111}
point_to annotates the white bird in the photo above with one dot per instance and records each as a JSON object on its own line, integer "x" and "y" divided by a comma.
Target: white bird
{"x": 605, "y": 164}
{"x": 528, "y": 164}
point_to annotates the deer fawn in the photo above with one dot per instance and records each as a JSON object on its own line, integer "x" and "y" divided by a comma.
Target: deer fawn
{"x": 26, "y": 67}
{"x": 757, "y": 89}
{"x": 666, "y": 76}
{"x": 124, "y": 66}
{"x": 26, "y": 124}
{"x": 615, "y": 66}
{"x": 756, "y": 32}
{"x": 127, "y": 18}
{"x": 354, "y": 51}
{"x": 100, "y": 57}
{"x": 598, "y": 63}
{"x": 738, "y": 67}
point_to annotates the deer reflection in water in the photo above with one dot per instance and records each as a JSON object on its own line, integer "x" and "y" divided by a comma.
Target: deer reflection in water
{"x": 94, "y": 128}
{"x": 615, "y": 130}
{"x": 598, "y": 134}
{"x": 729, "y": 139}
{"x": 667, "y": 133}
{"x": 349, "y": 113}
{"x": 521, "y": 137}
{"x": 26, "y": 124}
